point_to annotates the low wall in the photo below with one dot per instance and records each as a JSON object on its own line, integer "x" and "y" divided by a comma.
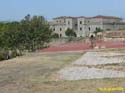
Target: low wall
{"x": 114, "y": 39}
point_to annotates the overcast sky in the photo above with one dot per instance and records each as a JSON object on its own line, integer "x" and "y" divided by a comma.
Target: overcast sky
{"x": 17, "y": 9}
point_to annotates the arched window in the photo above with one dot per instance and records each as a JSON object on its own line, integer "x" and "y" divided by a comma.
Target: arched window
{"x": 89, "y": 28}
{"x": 68, "y": 22}
{"x": 80, "y": 28}
{"x": 80, "y": 22}
{"x": 53, "y": 29}
{"x": 96, "y": 28}
{"x": 60, "y": 29}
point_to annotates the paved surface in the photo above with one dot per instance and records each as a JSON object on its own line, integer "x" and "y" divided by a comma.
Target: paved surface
{"x": 97, "y": 58}
{"x": 79, "y": 69}
{"x": 78, "y": 73}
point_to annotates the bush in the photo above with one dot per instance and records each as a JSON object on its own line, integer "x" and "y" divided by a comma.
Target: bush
{"x": 70, "y": 33}
{"x": 3, "y": 54}
{"x": 98, "y": 30}
{"x": 55, "y": 35}
{"x": 9, "y": 54}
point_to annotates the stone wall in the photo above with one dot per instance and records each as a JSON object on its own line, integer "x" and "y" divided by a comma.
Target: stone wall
{"x": 114, "y": 36}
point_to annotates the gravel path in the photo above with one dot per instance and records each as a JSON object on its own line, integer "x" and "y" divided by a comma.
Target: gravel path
{"x": 78, "y": 73}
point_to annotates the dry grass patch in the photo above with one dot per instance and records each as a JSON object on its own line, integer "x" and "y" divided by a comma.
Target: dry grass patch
{"x": 22, "y": 71}
{"x": 35, "y": 73}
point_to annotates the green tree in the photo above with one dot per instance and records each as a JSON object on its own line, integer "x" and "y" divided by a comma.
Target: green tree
{"x": 98, "y": 30}
{"x": 35, "y": 32}
{"x": 31, "y": 33}
{"x": 55, "y": 35}
{"x": 9, "y": 35}
{"x": 70, "y": 33}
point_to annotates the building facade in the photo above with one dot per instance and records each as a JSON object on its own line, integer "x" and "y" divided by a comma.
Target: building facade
{"x": 83, "y": 26}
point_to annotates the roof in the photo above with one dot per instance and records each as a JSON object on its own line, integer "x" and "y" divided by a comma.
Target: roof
{"x": 115, "y": 34}
{"x": 106, "y": 17}
{"x": 85, "y": 17}
{"x": 81, "y": 17}
{"x": 62, "y": 17}
{"x": 98, "y": 16}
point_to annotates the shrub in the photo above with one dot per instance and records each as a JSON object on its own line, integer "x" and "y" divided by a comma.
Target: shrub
{"x": 55, "y": 35}
{"x": 70, "y": 33}
{"x": 8, "y": 54}
{"x": 3, "y": 54}
{"x": 98, "y": 30}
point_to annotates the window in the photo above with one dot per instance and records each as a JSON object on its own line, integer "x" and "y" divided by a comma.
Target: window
{"x": 68, "y": 22}
{"x": 64, "y": 21}
{"x": 80, "y": 22}
{"x": 76, "y": 25}
{"x": 53, "y": 29}
{"x": 60, "y": 29}
{"x": 80, "y": 28}
{"x": 96, "y": 28}
{"x": 89, "y": 28}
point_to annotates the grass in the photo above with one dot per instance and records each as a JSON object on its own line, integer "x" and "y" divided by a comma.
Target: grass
{"x": 81, "y": 86}
{"x": 36, "y": 73}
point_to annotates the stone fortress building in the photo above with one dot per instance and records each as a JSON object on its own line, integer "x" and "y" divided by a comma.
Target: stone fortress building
{"x": 83, "y": 26}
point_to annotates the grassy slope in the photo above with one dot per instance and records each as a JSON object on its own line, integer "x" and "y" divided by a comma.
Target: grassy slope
{"x": 35, "y": 73}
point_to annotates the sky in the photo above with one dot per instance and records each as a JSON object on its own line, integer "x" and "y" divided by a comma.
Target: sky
{"x": 16, "y": 9}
